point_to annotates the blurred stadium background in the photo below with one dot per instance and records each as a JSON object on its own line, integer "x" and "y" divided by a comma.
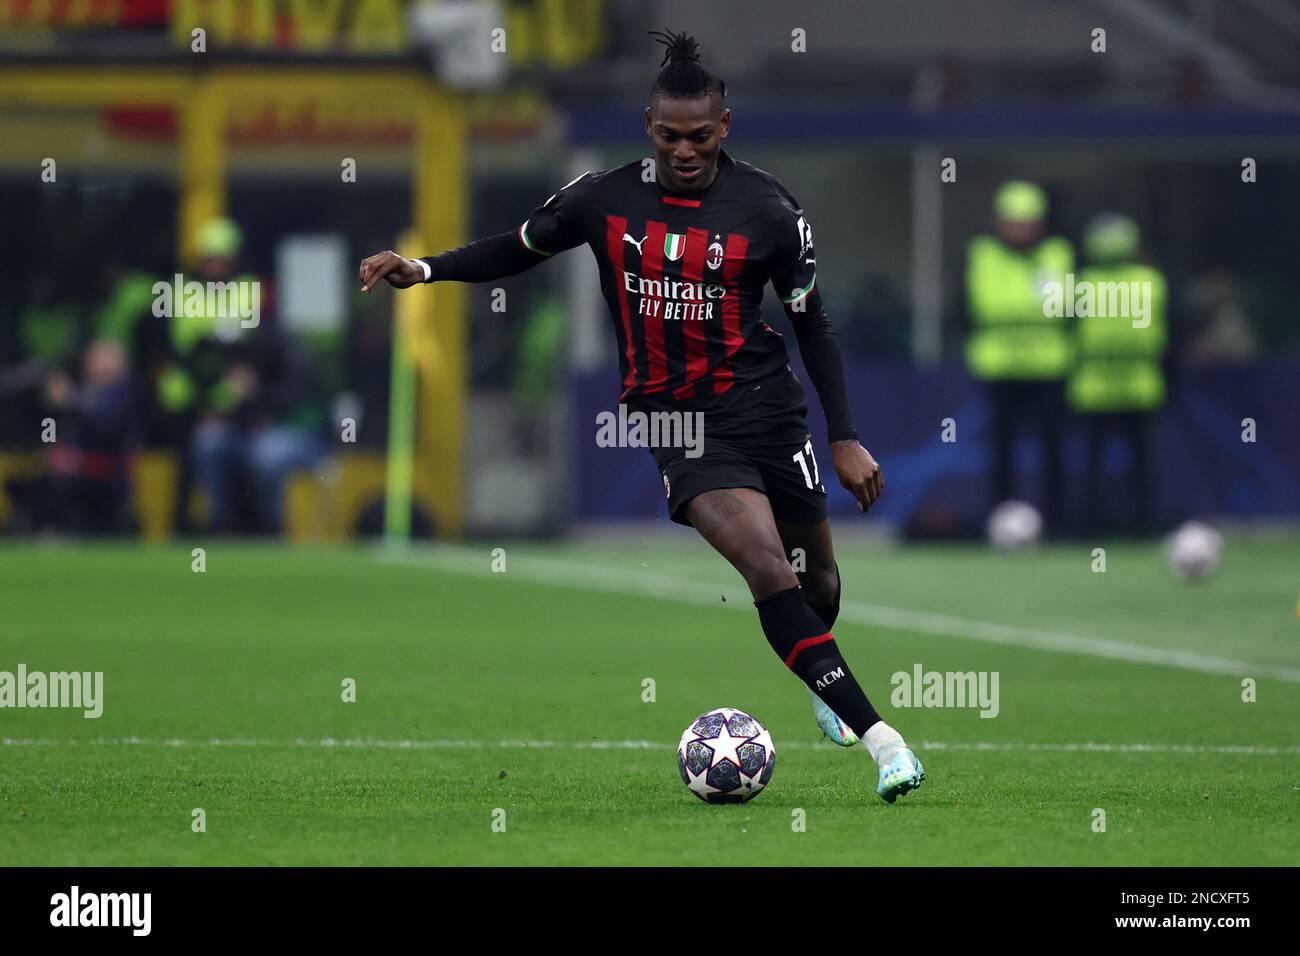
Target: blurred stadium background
{"x": 127, "y": 157}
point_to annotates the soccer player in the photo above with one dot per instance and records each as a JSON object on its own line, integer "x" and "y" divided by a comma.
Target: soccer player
{"x": 684, "y": 259}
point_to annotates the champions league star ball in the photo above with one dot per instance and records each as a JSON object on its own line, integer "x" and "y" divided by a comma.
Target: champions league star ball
{"x": 726, "y": 756}
{"x": 1193, "y": 551}
{"x": 1014, "y": 525}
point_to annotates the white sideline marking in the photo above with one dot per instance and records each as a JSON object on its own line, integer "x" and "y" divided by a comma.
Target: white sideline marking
{"x": 592, "y": 577}
{"x": 362, "y": 744}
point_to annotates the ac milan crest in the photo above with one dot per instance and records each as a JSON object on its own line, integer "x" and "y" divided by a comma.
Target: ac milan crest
{"x": 714, "y": 261}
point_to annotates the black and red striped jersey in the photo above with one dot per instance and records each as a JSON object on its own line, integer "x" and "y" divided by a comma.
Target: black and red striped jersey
{"x": 684, "y": 274}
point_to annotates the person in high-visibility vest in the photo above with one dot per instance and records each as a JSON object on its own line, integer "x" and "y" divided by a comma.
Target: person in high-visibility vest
{"x": 204, "y": 341}
{"x": 1117, "y": 382}
{"x": 254, "y": 393}
{"x": 1017, "y": 347}
{"x": 191, "y": 350}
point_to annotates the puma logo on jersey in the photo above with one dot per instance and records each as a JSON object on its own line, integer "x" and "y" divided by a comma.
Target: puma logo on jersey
{"x": 827, "y": 679}
{"x": 627, "y": 237}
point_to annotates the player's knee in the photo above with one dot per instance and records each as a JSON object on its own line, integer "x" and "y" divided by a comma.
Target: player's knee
{"x": 821, "y": 583}
{"x": 768, "y": 573}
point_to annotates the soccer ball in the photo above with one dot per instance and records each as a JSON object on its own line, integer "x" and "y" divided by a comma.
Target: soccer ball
{"x": 1193, "y": 551}
{"x": 1014, "y": 525}
{"x": 726, "y": 756}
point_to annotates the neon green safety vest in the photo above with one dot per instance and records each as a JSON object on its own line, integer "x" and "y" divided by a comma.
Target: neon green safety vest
{"x": 1012, "y": 338}
{"x": 177, "y": 387}
{"x": 188, "y": 330}
{"x": 1117, "y": 366}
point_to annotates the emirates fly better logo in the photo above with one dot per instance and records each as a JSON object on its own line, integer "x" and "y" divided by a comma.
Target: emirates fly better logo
{"x": 674, "y": 299}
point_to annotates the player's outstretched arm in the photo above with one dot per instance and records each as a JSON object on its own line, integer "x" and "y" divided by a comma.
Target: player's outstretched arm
{"x": 483, "y": 260}
{"x": 554, "y": 226}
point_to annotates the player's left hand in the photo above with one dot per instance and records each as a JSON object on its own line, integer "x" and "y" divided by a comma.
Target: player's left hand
{"x": 858, "y": 471}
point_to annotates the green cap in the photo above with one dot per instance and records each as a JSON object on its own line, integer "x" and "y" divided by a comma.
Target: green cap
{"x": 1109, "y": 237}
{"x": 1020, "y": 201}
{"x": 218, "y": 237}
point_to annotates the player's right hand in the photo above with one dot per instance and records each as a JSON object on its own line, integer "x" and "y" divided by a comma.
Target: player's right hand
{"x": 401, "y": 273}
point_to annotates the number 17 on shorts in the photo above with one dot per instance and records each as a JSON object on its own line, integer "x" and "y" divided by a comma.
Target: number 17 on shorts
{"x": 805, "y": 457}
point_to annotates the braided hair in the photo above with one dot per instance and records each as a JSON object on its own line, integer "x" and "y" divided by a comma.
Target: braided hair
{"x": 682, "y": 75}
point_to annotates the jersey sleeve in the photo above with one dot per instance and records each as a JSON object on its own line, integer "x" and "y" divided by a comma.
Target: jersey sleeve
{"x": 556, "y": 225}
{"x": 793, "y": 274}
{"x": 794, "y": 263}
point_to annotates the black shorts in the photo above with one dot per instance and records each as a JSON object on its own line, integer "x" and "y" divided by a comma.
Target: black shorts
{"x": 760, "y": 440}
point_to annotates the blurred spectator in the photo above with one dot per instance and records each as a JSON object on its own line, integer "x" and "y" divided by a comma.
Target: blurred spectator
{"x": 85, "y": 488}
{"x": 1117, "y": 382}
{"x": 45, "y": 337}
{"x": 1020, "y": 353}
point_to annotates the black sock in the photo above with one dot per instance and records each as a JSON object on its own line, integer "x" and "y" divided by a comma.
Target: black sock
{"x": 802, "y": 641}
{"x": 829, "y": 612}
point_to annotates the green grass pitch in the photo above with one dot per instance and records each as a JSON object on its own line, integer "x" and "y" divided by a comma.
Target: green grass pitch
{"x": 523, "y": 691}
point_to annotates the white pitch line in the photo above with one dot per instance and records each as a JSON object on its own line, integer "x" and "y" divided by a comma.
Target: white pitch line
{"x": 459, "y": 559}
{"x": 367, "y": 744}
